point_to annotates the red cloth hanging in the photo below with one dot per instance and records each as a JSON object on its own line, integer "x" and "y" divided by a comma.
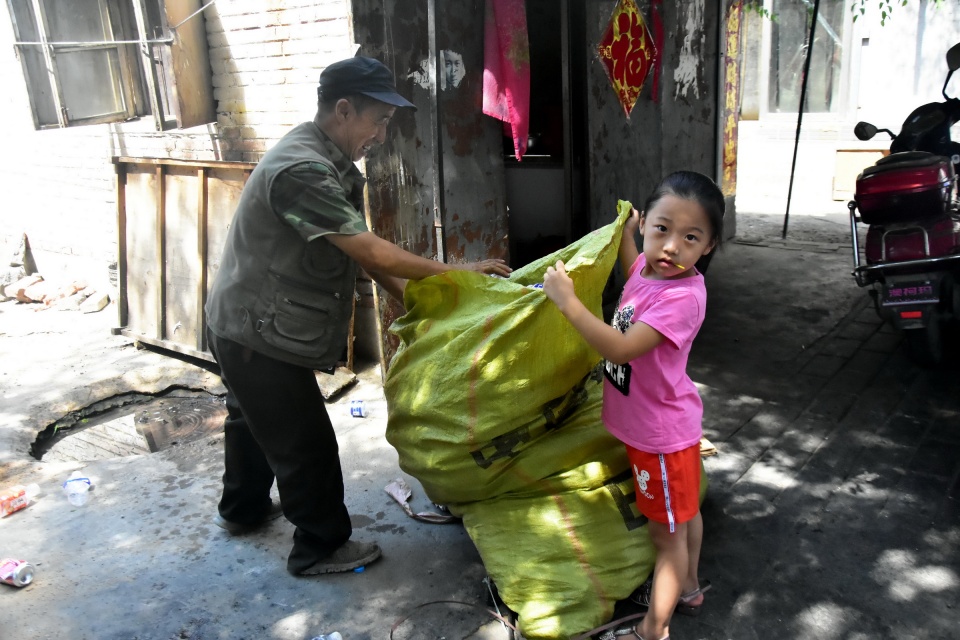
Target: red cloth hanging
{"x": 506, "y": 72}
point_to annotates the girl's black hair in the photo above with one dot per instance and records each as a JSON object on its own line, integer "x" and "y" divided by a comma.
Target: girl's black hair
{"x": 691, "y": 185}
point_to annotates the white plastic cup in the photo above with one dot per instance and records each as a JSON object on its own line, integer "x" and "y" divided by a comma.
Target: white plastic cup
{"x": 77, "y": 489}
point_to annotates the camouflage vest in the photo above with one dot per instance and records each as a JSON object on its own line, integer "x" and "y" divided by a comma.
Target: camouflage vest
{"x": 274, "y": 292}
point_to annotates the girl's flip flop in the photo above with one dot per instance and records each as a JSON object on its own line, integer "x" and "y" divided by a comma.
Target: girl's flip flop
{"x": 685, "y": 607}
{"x": 642, "y": 597}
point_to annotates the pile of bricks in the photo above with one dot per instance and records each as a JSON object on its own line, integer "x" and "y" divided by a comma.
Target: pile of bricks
{"x": 21, "y": 281}
{"x": 75, "y": 295}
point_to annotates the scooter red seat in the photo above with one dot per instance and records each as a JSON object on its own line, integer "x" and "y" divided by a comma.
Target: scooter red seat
{"x": 909, "y": 185}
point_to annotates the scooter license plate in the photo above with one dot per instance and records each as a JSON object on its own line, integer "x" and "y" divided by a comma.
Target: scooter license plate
{"x": 900, "y": 293}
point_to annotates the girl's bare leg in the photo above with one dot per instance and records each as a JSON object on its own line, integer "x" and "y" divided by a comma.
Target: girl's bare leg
{"x": 669, "y": 575}
{"x": 694, "y": 540}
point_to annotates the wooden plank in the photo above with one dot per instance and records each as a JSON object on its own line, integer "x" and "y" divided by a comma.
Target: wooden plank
{"x": 166, "y": 344}
{"x": 122, "y": 245}
{"x": 202, "y": 175}
{"x": 192, "y": 99}
{"x": 224, "y": 189}
{"x": 210, "y": 164}
{"x": 141, "y": 249}
{"x": 350, "y": 333}
{"x": 183, "y": 271}
{"x": 161, "y": 231}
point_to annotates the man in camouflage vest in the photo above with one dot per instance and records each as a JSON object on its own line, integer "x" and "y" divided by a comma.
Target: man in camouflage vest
{"x": 280, "y": 307}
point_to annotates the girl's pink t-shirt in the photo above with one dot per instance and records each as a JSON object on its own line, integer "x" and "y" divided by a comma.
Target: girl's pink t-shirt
{"x": 650, "y": 402}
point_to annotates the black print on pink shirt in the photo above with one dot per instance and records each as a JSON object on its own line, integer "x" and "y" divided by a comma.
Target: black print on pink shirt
{"x": 619, "y": 374}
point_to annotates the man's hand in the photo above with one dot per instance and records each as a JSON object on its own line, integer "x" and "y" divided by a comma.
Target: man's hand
{"x": 492, "y": 266}
{"x": 378, "y": 256}
{"x": 558, "y": 286}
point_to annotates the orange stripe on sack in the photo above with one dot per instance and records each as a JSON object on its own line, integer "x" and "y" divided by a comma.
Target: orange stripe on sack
{"x": 473, "y": 405}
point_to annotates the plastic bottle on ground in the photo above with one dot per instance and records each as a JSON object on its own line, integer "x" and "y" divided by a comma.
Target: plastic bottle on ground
{"x": 77, "y": 488}
{"x": 17, "y": 497}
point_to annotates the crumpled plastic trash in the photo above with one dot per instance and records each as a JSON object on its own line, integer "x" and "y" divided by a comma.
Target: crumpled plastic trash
{"x": 707, "y": 448}
{"x": 400, "y": 491}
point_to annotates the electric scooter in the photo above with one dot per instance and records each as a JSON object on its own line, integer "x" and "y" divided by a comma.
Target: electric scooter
{"x": 908, "y": 200}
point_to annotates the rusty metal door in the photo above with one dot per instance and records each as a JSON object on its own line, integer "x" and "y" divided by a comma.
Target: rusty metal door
{"x": 675, "y": 127}
{"x": 473, "y": 196}
{"x": 437, "y": 187}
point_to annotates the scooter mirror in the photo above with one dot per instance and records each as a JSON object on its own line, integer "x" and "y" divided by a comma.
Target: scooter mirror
{"x": 864, "y": 131}
{"x": 953, "y": 62}
{"x": 953, "y": 57}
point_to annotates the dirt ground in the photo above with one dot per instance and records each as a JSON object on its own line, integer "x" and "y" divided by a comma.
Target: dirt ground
{"x": 829, "y": 512}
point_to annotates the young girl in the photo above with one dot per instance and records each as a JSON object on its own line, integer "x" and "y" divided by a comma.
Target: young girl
{"x": 649, "y": 402}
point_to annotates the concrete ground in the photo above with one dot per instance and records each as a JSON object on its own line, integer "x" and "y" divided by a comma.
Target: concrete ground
{"x": 829, "y": 514}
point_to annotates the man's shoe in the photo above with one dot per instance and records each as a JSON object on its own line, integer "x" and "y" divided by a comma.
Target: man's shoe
{"x": 239, "y": 528}
{"x": 352, "y": 555}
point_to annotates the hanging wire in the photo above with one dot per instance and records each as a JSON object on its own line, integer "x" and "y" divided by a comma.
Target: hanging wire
{"x": 209, "y": 4}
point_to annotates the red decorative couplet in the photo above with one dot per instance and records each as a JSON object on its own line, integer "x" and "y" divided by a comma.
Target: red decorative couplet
{"x": 627, "y": 52}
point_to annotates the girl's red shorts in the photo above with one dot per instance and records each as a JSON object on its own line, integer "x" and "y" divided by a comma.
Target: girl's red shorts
{"x": 667, "y": 484}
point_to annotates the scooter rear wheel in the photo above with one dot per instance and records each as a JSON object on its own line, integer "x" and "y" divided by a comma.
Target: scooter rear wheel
{"x": 925, "y": 346}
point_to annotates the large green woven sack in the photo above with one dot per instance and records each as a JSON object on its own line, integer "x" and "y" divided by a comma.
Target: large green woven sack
{"x": 563, "y": 550}
{"x": 494, "y": 406}
{"x": 566, "y": 549}
{"x": 485, "y": 370}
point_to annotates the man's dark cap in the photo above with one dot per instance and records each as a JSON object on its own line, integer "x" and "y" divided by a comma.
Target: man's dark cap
{"x": 360, "y": 75}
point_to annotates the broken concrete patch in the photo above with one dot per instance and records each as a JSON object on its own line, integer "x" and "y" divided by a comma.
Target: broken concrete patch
{"x": 331, "y": 385}
{"x": 137, "y": 425}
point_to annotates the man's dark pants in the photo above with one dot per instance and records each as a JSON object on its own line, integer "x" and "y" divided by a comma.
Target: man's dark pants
{"x": 277, "y": 426}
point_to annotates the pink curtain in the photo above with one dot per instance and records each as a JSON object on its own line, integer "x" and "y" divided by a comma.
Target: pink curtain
{"x": 506, "y": 73}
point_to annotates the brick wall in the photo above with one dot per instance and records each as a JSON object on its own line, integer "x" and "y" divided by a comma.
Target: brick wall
{"x": 266, "y": 63}
{"x": 58, "y": 186}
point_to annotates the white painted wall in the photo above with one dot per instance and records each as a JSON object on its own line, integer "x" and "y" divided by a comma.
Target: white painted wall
{"x": 58, "y": 186}
{"x": 892, "y": 69}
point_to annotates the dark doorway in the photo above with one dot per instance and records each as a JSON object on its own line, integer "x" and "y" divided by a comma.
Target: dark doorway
{"x": 545, "y": 191}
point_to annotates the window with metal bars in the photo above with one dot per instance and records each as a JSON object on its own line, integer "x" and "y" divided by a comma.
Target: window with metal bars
{"x": 100, "y": 61}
